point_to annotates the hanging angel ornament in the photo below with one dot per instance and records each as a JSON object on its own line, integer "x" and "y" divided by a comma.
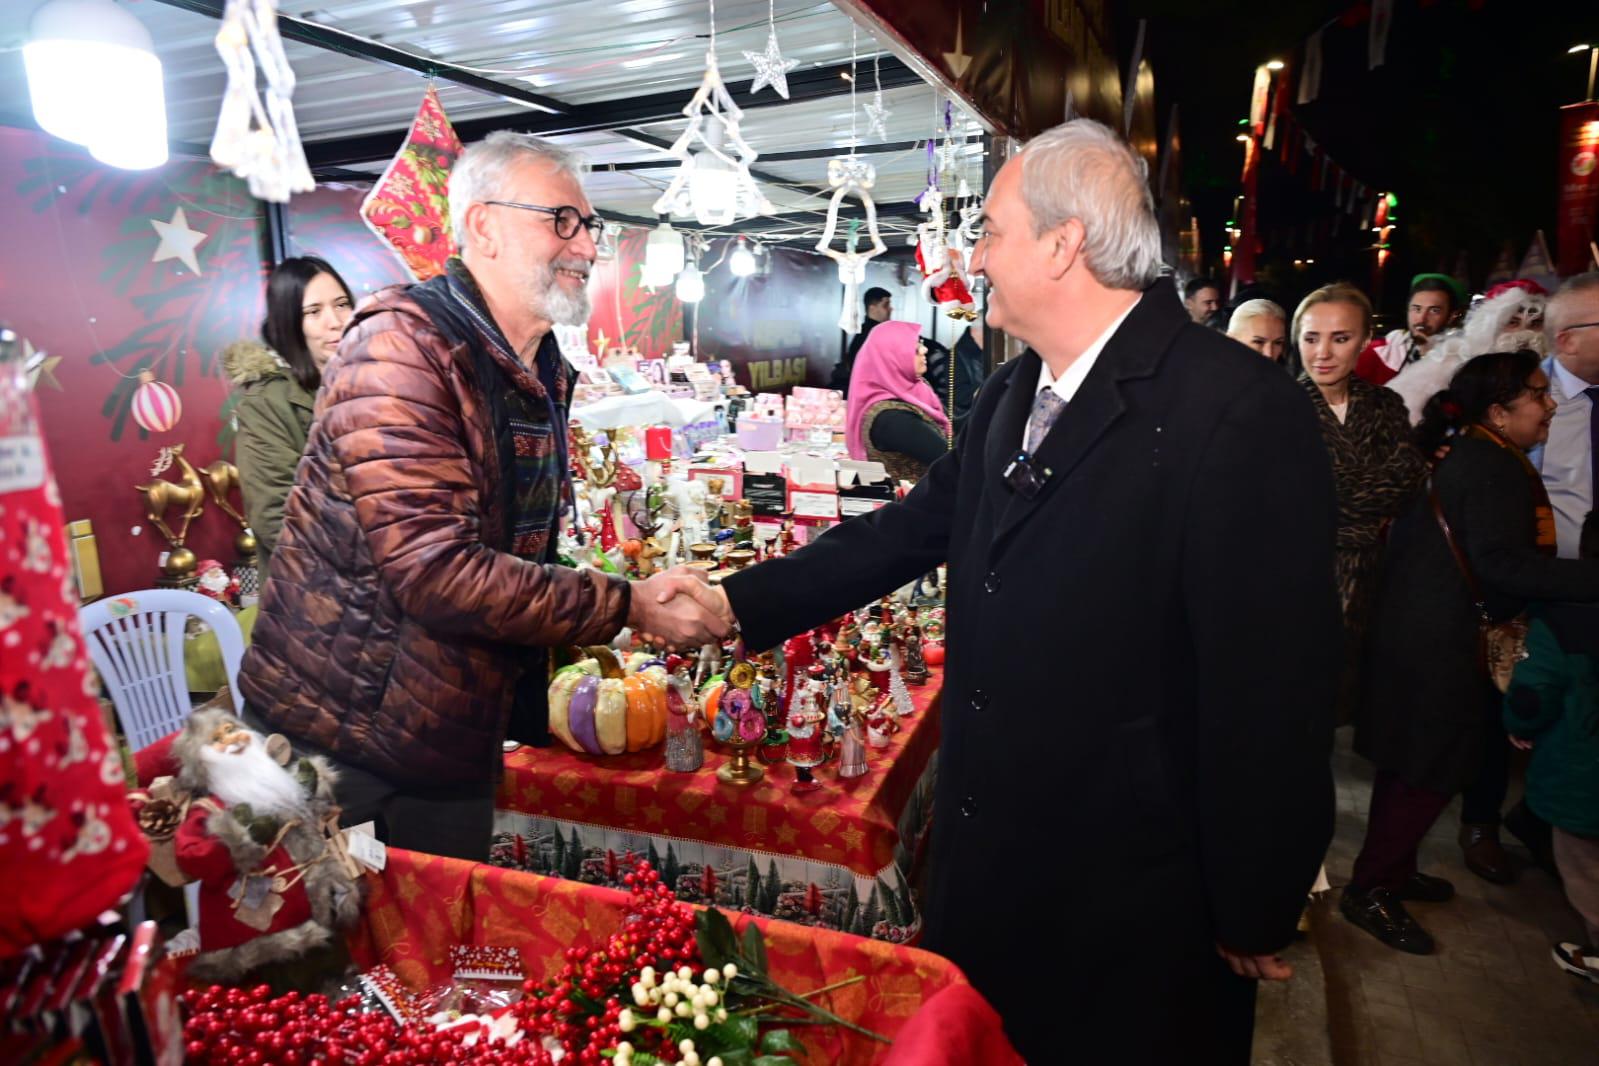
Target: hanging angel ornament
{"x": 257, "y": 139}
{"x": 713, "y": 183}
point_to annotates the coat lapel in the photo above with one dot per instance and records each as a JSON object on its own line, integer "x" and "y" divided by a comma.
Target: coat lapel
{"x": 1134, "y": 351}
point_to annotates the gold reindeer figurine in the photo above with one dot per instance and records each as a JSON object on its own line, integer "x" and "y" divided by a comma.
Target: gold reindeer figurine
{"x": 221, "y": 478}
{"x": 160, "y": 495}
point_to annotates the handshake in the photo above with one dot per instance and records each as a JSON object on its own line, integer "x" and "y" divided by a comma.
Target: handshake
{"x": 680, "y": 609}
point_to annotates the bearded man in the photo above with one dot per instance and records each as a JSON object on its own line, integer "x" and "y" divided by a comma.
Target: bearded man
{"x": 414, "y": 589}
{"x": 273, "y": 888}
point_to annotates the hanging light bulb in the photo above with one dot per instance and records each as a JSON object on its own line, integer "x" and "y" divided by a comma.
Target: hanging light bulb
{"x": 663, "y": 256}
{"x": 691, "y": 285}
{"x": 742, "y": 261}
{"x": 94, "y": 79}
{"x": 713, "y": 183}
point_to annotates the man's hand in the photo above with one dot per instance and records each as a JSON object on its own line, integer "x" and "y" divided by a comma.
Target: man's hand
{"x": 1257, "y": 967}
{"x": 678, "y": 608}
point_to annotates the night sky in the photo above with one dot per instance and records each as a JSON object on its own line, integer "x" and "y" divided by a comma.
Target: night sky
{"x": 1461, "y": 123}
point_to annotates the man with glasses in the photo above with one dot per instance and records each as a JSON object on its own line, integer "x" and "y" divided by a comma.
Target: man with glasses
{"x": 403, "y": 631}
{"x": 1571, "y": 323}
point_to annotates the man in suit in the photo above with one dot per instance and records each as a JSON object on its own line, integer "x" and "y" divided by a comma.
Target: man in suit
{"x": 1571, "y": 323}
{"x": 879, "y": 304}
{"x": 1133, "y": 793}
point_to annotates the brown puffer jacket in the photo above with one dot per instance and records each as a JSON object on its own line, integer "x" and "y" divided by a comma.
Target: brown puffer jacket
{"x": 395, "y": 624}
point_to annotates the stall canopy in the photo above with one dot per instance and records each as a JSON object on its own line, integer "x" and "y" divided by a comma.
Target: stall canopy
{"x": 610, "y": 80}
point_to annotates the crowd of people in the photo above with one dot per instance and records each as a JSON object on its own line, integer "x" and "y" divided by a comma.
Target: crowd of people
{"x": 1161, "y": 547}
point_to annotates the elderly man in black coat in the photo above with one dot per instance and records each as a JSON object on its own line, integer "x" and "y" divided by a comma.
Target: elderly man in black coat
{"x": 1134, "y": 790}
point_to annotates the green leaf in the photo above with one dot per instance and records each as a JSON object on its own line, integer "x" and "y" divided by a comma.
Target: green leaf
{"x": 779, "y": 1041}
{"x": 746, "y": 1030}
{"x": 740, "y": 1057}
{"x": 714, "y": 936}
{"x": 755, "y": 949}
{"x": 773, "y": 1060}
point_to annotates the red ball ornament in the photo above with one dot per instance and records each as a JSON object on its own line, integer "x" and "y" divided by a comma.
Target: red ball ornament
{"x": 156, "y": 405}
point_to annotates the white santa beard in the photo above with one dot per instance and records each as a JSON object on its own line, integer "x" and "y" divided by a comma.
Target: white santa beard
{"x": 253, "y": 777}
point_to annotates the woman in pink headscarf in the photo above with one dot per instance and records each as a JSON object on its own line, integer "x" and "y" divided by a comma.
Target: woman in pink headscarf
{"x": 894, "y": 416}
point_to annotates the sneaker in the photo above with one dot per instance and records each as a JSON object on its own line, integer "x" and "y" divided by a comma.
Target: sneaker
{"x": 1577, "y": 959}
{"x": 1422, "y": 888}
{"x": 1380, "y": 913}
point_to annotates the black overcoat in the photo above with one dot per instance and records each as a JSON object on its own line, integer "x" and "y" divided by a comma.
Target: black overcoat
{"x": 1427, "y": 705}
{"x": 1137, "y": 704}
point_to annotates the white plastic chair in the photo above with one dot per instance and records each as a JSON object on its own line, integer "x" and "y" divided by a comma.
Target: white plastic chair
{"x": 136, "y": 642}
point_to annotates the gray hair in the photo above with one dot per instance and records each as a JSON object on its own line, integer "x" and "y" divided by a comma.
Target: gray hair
{"x": 1082, "y": 170}
{"x": 1557, "y": 315}
{"x": 1255, "y": 309}
{"x": 481, "y": 172}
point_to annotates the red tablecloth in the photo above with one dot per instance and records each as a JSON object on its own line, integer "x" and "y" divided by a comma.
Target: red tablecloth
{"x": 421, "y": 905}
{"x": 851, "y": 823}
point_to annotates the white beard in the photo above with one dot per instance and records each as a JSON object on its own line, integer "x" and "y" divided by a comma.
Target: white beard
{"x": 549, "y": 299}
{"x": 251, "y": 776}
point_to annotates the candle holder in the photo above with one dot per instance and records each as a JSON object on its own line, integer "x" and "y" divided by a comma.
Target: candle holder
{"x": 739, "y": 770}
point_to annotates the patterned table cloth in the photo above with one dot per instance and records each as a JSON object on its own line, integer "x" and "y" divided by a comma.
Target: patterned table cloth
{"x": 839, "y": 858}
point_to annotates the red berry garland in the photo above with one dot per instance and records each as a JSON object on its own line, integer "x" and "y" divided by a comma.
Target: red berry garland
{"x": 579, "y": 1009}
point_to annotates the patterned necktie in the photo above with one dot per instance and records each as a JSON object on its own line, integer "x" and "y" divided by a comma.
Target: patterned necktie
{"x": 1593, "y": 441}
{"x": 1046, "y": 408}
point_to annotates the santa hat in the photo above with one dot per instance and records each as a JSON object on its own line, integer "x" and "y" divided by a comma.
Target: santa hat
{"x": 1524, "y": 284}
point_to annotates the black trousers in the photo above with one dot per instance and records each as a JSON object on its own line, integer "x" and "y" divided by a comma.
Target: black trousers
{"x": 1483, "y": 799}
{"x": 457, "y": 821}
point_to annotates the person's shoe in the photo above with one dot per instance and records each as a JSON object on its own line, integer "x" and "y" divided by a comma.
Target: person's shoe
{"x": 1422, "y": 888}
{"x": 1577, "y": 959}
{"x": 1534, "y": 834}
{"x": 1381, "y": 914}
{"x": 1485, "y": 856}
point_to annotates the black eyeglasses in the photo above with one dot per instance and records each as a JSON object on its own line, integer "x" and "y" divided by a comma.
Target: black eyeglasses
{"x": 1023, "y": 477}
{"x": 1579, "y": 325}
{"x": 567, "y": 219}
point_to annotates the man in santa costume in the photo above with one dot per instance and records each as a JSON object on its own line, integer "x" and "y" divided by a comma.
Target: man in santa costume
{"x": 261, "y": 838}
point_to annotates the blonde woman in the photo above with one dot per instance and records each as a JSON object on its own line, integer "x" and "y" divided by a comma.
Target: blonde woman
{"x": 1375, "y": 466}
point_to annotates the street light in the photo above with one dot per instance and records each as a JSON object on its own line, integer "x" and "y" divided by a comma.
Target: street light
{"x": 1593, "y": 62}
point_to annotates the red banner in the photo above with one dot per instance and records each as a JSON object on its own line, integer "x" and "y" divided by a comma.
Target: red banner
{"x": 1579, "y": 187}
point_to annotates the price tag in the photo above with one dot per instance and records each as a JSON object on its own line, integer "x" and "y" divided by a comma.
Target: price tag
{"x": 365, "y": 848}
{"x": 21, "y": 463}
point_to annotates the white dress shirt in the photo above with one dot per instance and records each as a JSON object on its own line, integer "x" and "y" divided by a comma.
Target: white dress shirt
{"x": 1067, "y": 384}
{"x": 1567, "y": 460}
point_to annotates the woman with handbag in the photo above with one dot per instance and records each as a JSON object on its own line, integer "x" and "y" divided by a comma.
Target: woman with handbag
{"x": 1463, "y": 560}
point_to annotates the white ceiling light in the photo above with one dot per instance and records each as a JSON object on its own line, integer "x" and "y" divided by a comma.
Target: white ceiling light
{"x": 742, "y": 261}
{"x": 663, "y": 256}
{"x": 94, "y": 79}
{"x": 691, "y": 285}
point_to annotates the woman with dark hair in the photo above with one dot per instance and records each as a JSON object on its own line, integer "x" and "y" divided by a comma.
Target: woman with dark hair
{"x": 308, "y": 305}
{"x": 1429, "y": 710}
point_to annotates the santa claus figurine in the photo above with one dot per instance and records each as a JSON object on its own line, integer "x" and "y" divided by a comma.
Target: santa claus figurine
{"x": 262, "y": 839}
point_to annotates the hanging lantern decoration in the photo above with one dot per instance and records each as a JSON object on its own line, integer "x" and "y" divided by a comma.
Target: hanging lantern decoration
{"x": 156, "y": 406}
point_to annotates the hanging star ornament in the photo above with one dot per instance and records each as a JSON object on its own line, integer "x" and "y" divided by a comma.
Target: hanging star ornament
{"x": 178, "y": 241}
{"x": 958, "y": 60}
{"x": 877, "y": 114}
{"x": 770, "y": 68}
{"x": 39, "y": 365}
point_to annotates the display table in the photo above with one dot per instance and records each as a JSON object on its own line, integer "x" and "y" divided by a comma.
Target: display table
{"x": 839, "y": 857}
{"x": 421, "y": 905}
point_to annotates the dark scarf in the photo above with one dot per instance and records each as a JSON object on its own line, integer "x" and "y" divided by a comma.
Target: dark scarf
{"x": 527, "y": 467}
{"x": 1543, "y": 511}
